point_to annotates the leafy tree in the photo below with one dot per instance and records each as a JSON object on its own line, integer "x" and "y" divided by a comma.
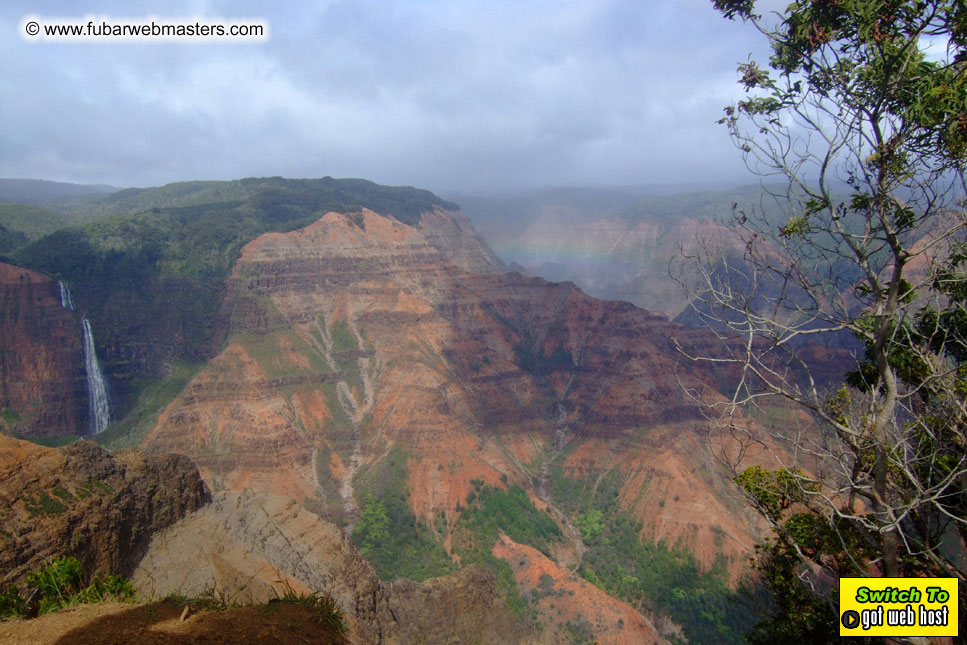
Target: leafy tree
{"x": 372, "y": 530}
{"x": 862, "y": 111}
{"x": 590, "y": 524}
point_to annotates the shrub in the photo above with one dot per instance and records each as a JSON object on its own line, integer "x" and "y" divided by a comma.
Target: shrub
{"x": 61, "y": 584}
{"x": 11, "y": 602}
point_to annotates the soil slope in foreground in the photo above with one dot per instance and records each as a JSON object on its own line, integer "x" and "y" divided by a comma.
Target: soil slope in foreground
{"x": 160, "y": 622}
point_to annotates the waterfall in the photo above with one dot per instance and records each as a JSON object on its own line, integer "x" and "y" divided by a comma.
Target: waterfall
{"x": 97, "y": 392}
{"x": 65, "y": 297}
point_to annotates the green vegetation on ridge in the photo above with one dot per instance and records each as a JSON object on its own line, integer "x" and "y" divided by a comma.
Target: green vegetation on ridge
{"x": 388, "y": 533}
{"x": 492, "y": 509}
{"x": 489, "y": 511}
{"x": 48, "y": 193}
{"x": 150, "y": 270}
{"x": 22, "y": 223}
{"x": 646, "y": 574}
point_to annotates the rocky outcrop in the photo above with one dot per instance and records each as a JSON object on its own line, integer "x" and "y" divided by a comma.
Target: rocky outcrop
{"x": 251, "y": 546}
{"x": 83, "y": 501}
{"x": 42, "y": 386}
{"x": 462, "y": 607}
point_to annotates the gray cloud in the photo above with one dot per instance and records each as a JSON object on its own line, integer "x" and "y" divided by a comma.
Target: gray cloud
{"x": 445, "y": 95}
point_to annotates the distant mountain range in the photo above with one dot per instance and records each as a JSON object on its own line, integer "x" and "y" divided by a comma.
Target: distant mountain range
{"x": 40, "y": 191}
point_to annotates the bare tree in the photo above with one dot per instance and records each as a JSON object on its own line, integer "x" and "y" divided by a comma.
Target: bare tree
{"x": 866, "y": 130}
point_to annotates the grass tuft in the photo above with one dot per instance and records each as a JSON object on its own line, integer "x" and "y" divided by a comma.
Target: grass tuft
{"x": 61, "y": 584}
{"x": 321, "y": 604}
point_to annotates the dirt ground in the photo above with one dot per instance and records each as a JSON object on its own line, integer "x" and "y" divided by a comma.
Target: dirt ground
{"x": 160, "y": 622}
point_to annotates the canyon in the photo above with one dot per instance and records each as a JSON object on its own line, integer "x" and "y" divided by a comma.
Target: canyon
{"x": 348, "y": 339}
{"x": 356, "y": 364}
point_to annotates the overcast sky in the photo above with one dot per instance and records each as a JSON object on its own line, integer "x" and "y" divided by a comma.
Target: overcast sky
{"x": 446, "y": 95}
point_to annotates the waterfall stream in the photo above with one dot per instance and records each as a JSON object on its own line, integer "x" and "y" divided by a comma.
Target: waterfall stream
{"x": 97, "y": 392}
{"x": 65, "y": 297}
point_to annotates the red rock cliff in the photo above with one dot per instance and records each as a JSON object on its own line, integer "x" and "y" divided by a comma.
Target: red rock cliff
{"x": 42, "y": 385}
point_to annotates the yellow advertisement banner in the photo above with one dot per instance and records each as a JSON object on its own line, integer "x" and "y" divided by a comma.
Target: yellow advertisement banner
{"x": 898, "y": 607}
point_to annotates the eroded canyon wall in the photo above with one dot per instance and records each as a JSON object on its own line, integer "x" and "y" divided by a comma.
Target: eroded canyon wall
{"x": 42, "y": 383}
